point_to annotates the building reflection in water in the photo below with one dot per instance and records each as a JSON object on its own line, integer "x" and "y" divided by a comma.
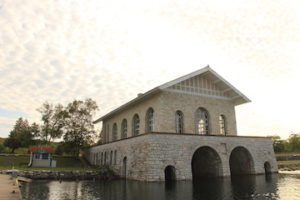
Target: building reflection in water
{"x": 241, "y": 187}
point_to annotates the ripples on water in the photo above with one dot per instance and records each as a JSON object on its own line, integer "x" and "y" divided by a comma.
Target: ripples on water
{"x": 285, "y": 187}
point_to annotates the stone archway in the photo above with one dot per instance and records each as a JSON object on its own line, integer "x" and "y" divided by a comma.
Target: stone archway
{"x": 241, "y": 161}
{"x": 267, "y": 167}
{"x": 170, "y": 173}
{"x": 206, "y": 162}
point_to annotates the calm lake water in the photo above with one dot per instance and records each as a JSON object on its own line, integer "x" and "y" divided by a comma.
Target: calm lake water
{"x": 285, "y": 187}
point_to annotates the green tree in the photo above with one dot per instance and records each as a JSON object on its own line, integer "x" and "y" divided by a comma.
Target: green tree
{"x": 278, "y": 144}
{"x": 20, "y": 136}
{"x": 2, "y": 148}
{"x": 78, "y": 124}
{"x": 294, "y": 143}
{"x": 35, "y": 129}
{"x": 12, "y": 143}
{"x": 53, "y": 122}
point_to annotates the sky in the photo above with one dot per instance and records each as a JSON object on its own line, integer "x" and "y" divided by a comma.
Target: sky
{"x": 61, "y": 50}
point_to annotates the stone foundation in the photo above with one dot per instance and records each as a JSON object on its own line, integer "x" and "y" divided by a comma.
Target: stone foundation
{"x": 145, "y": 157}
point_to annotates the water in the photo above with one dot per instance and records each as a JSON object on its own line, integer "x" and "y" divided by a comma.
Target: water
{"x": 285, "y": 187}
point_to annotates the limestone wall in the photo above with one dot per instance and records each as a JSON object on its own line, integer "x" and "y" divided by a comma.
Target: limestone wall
{"x": 149, "y": 154}
{"x": 140, "y": 109}
{"x": 165, "y": 104}
{"x": 188, "y": 104}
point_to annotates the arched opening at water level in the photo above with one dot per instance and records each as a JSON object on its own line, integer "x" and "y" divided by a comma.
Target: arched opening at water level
{"x": 241, "y": 161}
{"x": 206, "y": 163}
{"x": 124, "y": 167}
{"x": 267, "y": 167}
{"x": 170, "y": 173}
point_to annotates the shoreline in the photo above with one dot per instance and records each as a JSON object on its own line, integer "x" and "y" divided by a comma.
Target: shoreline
{"x": 9, "y": 188}
{"x": 101, "y": 174}
{"x": 291, "y": 172}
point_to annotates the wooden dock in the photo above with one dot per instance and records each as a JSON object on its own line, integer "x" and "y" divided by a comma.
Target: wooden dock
{"x": 9, "y": 189}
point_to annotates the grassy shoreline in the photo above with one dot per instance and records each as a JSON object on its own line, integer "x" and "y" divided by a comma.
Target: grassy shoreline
{"x": 49, "y": 168}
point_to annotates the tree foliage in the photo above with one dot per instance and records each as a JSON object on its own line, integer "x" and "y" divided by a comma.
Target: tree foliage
{"x": 20, "y": 136}
{"x": 73, "y": 123}
{"x": 53, "y": 122}
{"x": 292, "y": 144}
{"x": 78, "y": 124}
{"x": 2, "y": 148}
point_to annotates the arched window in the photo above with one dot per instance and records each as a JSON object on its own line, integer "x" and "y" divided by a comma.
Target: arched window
{"x": 222, "y": 125}
{"x": 115, "y": 157}
{"x": 135, "y": 125}
{"x": 115, "y": 132}
{"x": 150, "y": 120}
{"x": 201, "y": 121}
{"x": 111, "y": 157}
{"x": 124, "y": 129}
{"x": 106, "y": 139}
{"x": 179, "y": 121}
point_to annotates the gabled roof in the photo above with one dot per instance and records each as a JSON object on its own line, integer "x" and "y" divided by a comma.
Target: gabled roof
{"x": 232, "y": 93}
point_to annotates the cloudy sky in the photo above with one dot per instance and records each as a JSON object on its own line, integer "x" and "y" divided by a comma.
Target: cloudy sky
{"x": 59, "y": 50}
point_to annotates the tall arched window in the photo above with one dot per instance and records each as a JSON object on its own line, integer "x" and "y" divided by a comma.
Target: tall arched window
{"x": 150, "y": 120}
{"x": 124, "y": 129}
{"x": 115, "y": 132}
{"x": 222, "y": 124}
{"x": 135, "y": 125}
{"x": 111, "y": 157}
{"x": 107, "y": 134}
{"x": 179, "y": 121}
{"x": 201, "y": 121}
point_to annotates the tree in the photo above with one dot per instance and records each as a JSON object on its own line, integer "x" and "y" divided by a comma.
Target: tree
{"x": 294, "y": 143}
{"x": 12, "y": 143}
{"x": 35, "y": 129}
{"x": 2, "y": 148}
{"x": 78, "y": 124}
{"x": 20, "y": 136}
{"x": 53, "y": 122}
{"x": 278, "y": 144}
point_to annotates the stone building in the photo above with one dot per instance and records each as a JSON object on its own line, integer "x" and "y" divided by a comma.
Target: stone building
{"x": 183, "y": 129}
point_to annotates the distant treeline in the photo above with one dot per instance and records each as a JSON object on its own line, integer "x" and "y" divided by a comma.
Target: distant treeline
{"x": 292, "y": 144}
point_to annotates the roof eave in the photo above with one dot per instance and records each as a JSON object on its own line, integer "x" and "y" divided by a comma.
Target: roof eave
{"x": 132, "y": 102}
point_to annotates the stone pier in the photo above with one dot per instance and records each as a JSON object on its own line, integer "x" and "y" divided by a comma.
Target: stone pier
{"x": 9, "y": 189}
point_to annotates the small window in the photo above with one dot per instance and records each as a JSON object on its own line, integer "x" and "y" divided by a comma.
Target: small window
{"x": 135, "y": 125}
{"x": 115, "y": 158}
{"x": 222, "y": 124}
{"x": 124, "y": 129}
{"x": 115, "y": 132}
{"x": 150, "y": 120}
{"x": 179, "y": 121}
{"x": 101, "y": 159}
{"x": 105, "y": 158}
{"x": 45, "y": 156}
{"x": 202, "y": 121}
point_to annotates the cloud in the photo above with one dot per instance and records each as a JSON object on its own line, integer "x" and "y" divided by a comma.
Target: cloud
{"x": 57, "y": 51}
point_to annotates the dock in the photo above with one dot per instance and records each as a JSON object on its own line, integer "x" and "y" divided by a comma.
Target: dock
{"x": 9, "y": 189}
